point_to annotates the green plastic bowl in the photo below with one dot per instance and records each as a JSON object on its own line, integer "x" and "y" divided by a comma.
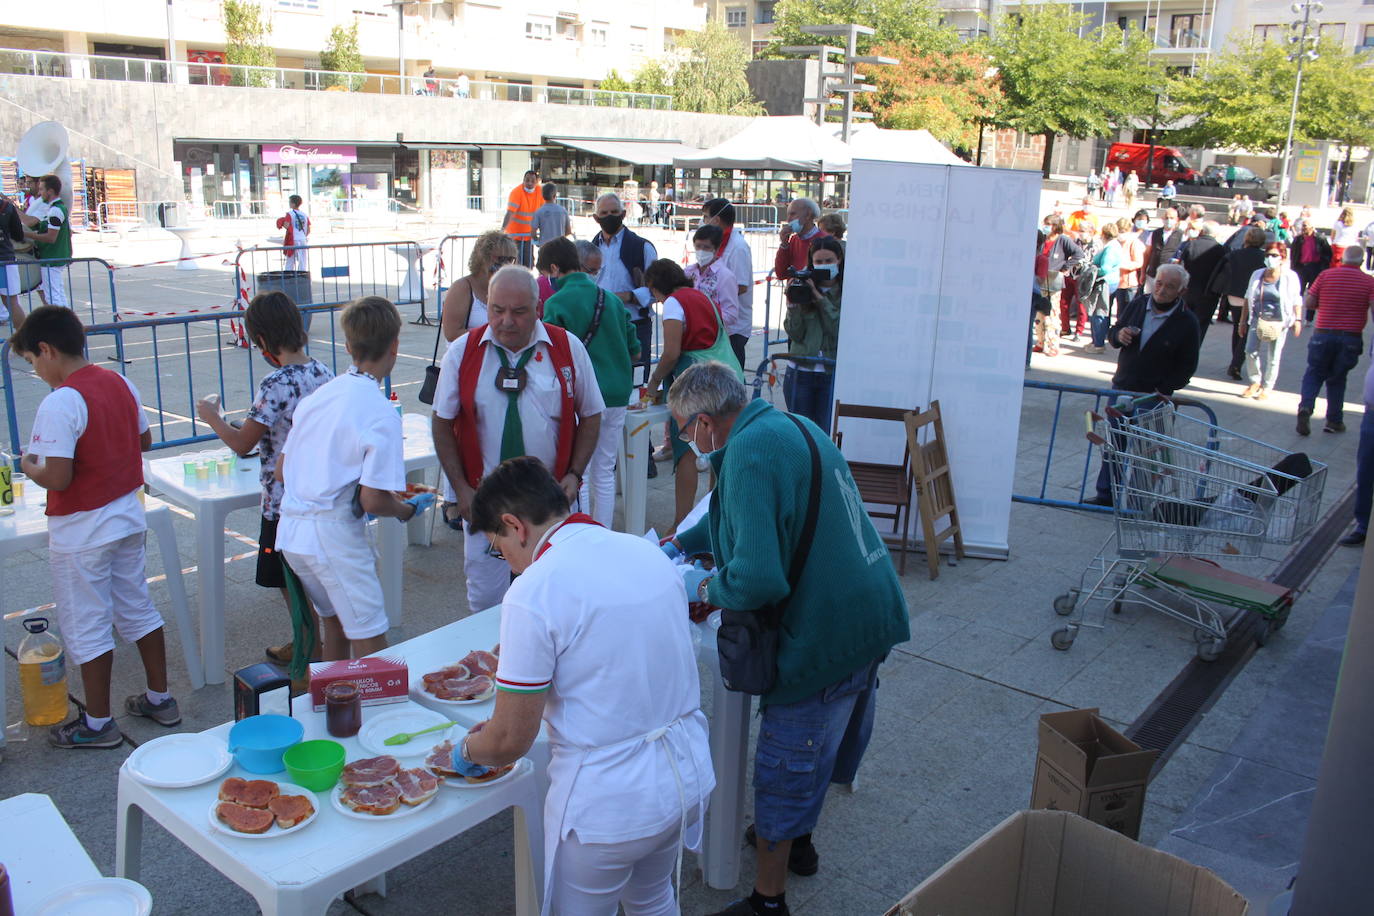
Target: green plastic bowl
{"x": 316, "y": 765}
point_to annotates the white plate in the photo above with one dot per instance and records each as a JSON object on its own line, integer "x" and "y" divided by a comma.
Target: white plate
{"x": 405, "y": 810}
{"x": 417, "y": 689}
{"x": 98, "y": 897}
{"x": 403, "y": 720}
{"x": 458, "y": 782}
{"x": 285, "y": 788}
{"x": 179, "y": 761}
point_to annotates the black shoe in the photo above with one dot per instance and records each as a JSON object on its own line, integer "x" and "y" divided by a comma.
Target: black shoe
{"x": 653, "y": 469}
{"x": 1233, "y": 372}
{"x": 1333, "y": 426}
{"x": 1304, "y": 426}
{"x": 1353, "y": 539}
{"x": 743, "y": 907}
{"x": 803, "y": 860}
{"x": 1098, "y": 501}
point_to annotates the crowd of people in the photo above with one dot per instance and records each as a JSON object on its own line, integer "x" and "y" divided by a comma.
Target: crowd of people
{"x": 541, "y": 341}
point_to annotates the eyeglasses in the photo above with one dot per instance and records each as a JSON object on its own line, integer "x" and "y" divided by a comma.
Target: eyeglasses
{"x": 494, "y": 552}
{"x": 685, "y": 435}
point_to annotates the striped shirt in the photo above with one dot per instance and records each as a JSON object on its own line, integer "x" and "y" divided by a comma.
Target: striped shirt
{"x": 1344, "y": 295}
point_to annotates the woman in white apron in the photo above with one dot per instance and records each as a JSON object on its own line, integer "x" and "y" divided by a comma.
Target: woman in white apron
{"x": 595, "y": 646}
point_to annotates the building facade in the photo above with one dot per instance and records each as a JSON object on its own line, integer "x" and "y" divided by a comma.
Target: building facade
{"x": 751, "y": 21}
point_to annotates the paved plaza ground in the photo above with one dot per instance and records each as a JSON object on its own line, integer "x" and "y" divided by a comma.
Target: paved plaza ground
{"x": 954, "y": 747}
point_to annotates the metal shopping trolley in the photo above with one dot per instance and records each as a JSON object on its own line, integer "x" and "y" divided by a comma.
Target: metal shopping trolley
{"x": 1186, "y": 495}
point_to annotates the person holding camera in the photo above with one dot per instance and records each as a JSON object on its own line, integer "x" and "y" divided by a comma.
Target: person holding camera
{"x": 693, "y": 332}
{"x": 813, "y": 329}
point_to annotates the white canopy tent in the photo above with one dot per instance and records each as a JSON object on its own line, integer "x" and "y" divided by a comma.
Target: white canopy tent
{"x": 786, "y": 143}
{"x": 869, "y": 142}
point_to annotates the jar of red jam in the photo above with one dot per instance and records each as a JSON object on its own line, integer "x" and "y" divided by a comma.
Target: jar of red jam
{"x": 343, "y": 709}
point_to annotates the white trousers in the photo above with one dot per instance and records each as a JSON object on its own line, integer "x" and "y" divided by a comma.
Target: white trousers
{"x": 298, "y": 258}
{"x": 598, "y": 483}
{"x": 488, "y": 578}
{"x": 344, "y": 584}
{"x": 53, "y": 286}
{"x": 100, "y": 587}
{"x": 591, "y": 879}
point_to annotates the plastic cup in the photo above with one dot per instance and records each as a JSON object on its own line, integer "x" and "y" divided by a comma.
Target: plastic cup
{"x": 17, "y": 481}
{"x": 225, "y": 466}
{"x": 189, "y": 468}
{"x": 202, "y": 471}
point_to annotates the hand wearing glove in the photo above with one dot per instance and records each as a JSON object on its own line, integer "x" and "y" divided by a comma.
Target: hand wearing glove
{"x": 693, "y": 578}
{"x": 461, "y": 765}
{"x": 421, "y": 502}
{"x": 670, "y": 548}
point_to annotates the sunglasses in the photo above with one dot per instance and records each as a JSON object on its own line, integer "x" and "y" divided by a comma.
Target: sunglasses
{"x": 503, "y": 261}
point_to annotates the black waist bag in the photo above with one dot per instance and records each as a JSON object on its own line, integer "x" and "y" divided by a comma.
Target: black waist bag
{"x": 747, "y": 641}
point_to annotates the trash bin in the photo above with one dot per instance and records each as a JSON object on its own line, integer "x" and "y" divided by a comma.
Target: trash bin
{"x": 167, "y": 214}
{"x": 295, "y": 283}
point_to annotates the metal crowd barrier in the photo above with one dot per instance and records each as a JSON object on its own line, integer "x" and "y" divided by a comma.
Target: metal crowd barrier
{"x": 194, "y": 352}
{"x": 88, "y": 284}
{"x": 1074, "y": 476}
{"x": 334, "y": 274}
{"x": 452, "y": 253}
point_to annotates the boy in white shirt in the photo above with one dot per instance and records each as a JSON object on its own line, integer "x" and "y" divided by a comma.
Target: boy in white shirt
{"x": 297, "y": 226}
{"x": 86, "y": 451}
{"x": 344, "y": 458}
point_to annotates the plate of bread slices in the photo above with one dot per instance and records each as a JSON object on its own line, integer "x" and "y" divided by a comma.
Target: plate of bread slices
{"x": 380, "y": 787}
{"x": 254, "y": 809}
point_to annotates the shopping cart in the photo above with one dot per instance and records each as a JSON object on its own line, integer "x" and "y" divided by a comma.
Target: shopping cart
{"x": 1187, "y": 494}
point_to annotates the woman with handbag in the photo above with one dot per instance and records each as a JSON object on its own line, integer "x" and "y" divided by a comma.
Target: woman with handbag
{"x": 1057, "y": 251}
{"x": 693, "y": 332}
{"x": 1273, "y": 304}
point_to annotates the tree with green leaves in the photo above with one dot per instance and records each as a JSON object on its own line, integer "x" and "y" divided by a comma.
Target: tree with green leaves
{"x": 1056, "y": 81}
{"x": 246, "y": 30}
{"x": 915, "y": 24}
{"x": 1242, "y": 98}
{"x": 341, "y": 54}
{"x": 947, "y": 93}
{"x": 711, "y": 76}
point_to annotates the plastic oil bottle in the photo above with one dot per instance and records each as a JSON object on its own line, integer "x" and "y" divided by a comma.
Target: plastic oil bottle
{"x": 42, "y": 674}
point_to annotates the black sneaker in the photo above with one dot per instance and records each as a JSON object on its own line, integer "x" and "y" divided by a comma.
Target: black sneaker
{"x": 1333, "y": 426}
{"x": 1304, "y": 424}
{"x": 77, "y": 733}
{"x": 803, "y": 860}
{"x": 1098, "y": 501}
{"x": 1233, "y": 372}
{"x": 164, "y": 713}
{"x": 1353, "y": 539}
{"x": 743, "y": 907}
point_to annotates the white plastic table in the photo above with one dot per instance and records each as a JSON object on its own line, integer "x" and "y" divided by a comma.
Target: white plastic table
{"x": 39, "y": 851}
{"x": 413, "y": 286}
{"x": 729, "y": 729}
{"x": 211, "y": 501}
{"x": 634, "y": 482}
{"x": 186, "y": 258}
{"x": 27, "y": 529}
{"x": 302, "y": 873}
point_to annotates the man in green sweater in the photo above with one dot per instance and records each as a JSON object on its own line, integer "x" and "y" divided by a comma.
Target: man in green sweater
{"x": 846, "y": 611}
{"x": 602, "y": 323}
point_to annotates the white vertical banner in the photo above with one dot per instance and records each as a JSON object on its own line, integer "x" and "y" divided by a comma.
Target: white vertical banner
{"x": 938, "y": 274}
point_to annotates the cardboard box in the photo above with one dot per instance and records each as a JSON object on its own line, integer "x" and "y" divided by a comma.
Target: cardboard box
{"x": 380, "y": 679}
{"x": 1053, "y": 863}
{"x": 1088, "y": 767}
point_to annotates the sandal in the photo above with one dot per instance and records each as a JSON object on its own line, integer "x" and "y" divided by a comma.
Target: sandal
{"x": 454, "y": 521}
{"x": 281, "y": 654}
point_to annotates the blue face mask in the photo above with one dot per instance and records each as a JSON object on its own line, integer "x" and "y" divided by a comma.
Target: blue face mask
{"x": 794, "y": 225}
{"x": 1141, "y": 224}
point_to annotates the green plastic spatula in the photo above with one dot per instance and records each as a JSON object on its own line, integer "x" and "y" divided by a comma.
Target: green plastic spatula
{"x": 404, "y": 737}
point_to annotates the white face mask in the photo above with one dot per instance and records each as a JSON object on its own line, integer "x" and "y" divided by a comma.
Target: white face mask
{"x": 1273, "y": 261}
{"x": 705, "y": 257}
{"x": 703, "y": 460}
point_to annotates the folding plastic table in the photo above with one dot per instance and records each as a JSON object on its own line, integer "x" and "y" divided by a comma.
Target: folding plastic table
{"x": 39, "y": 851}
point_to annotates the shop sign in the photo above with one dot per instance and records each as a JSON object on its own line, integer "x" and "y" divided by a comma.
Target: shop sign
{"x": 290, "y": 153}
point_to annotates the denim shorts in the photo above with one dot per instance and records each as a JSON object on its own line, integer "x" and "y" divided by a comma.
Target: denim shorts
{"x": 806, "y": 745}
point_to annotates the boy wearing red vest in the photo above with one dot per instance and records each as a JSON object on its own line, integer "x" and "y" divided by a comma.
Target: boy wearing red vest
{"x": 86, "y": 451}
{"x": 514, "y": 387}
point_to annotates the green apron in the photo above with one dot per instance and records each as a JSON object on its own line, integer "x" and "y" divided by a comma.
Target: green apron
{"x": 721, "y": 351}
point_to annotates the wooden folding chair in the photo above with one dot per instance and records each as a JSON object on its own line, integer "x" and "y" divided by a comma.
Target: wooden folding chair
{"x": 882, "y": 484}
{"x": 934, "y": 485}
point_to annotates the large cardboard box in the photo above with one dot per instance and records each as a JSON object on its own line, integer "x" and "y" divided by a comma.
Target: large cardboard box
{"x": 1053, "y": 863}
{"x": 1088, "y": 767}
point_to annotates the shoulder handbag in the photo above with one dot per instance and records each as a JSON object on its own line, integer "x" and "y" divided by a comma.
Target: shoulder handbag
{"x": 431, "y": 381}
{"x": 596, "y": 317}
{"x": 747, "y": 641}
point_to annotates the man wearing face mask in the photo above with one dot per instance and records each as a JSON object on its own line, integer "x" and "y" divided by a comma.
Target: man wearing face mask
{"x": 796, "y": 237}
{"x": 624, "y": 258}
{"x": 1164, "y": 244}
{"x": 818, "y": 716}
{"x": 516, "y": 386}
{"x": 1158, "y": 338}
{"x": 518, "y": 222}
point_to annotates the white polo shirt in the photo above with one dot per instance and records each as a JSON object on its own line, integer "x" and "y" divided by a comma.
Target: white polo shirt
{"x": 540, "y": 404}
{"x": 342, "y": 434}
{"x": 600, "y": 622}
{"x": 740, "y": 260}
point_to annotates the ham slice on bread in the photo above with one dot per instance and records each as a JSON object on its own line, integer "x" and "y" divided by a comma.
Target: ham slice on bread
{"x": 416, "y": 785}
{"x": 480, "y": 661}
{"x": 242, "y": 819}
{"x": 440, "y": 760}
{"x": 378, "y": 800}
{"x": 371, "y": 771}
{"x": 490, "y": 774}
{"x": 290, "y": 810}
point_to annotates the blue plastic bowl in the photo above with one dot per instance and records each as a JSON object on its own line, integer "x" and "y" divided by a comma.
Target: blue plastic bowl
{"x": 258, "y": 742}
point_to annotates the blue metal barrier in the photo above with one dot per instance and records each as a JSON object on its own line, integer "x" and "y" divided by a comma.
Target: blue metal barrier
{"x": 336, "y": 274}
{"x": 88, "y": 286}
{"x": 1098, "y": 395}
{"x": 452, "y": 253}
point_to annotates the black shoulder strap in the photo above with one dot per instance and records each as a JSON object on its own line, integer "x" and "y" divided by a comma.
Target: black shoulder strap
{"x": 596, "y": 317}
{"x": 808, "y": 532}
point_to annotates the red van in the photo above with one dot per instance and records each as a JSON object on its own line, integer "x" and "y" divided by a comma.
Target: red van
{"x": 1169, "y": 163}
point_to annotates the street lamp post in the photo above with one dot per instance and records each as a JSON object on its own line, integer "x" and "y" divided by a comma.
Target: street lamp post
{"x": 1300, "y": 53}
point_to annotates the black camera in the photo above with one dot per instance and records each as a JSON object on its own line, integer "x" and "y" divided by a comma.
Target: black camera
{"x": 798, "y": 291}
{"x": 806, "y": 273}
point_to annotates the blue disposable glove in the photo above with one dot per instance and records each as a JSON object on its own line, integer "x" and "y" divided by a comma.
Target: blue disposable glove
{"x": 463, "y": 766}
{"x": 670, "y": 548}
{"x": 421, "y": 502}
{"x": 692, "y": 577}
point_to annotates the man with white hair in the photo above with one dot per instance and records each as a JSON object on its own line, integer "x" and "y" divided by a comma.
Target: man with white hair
{"x": 1159, "y": 340}
{"x": 624, "y": 258}
{"x": 515, "y": 386}
{"x": 796, "y": 237}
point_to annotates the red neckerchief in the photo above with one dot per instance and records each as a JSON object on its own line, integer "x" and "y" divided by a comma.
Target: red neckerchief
{"x": 577, "y": 518}
{"x": 724, "y": 240}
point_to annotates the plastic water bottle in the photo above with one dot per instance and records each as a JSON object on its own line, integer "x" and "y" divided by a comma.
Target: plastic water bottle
{"x": 42, "y": 674}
